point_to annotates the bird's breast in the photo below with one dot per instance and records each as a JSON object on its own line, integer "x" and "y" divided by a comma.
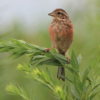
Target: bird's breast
{"x": 61, "y": 36}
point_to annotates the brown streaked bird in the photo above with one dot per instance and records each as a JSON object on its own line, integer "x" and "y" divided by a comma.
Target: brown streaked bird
{"x": 61, "y": 35}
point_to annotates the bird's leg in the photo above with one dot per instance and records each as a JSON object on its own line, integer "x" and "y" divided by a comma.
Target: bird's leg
{"x": 48, "y": 49}
{"x": 68, "y": 56}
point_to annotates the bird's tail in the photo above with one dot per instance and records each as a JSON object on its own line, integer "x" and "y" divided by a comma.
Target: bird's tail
{"x": 61, "y": 70}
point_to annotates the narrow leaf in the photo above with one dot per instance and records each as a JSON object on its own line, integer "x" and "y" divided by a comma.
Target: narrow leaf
{"x": 93, "y": 95}
{"x": 79, "y": 59}
{"x": 74, "y": 61}
{"x": 85, "y": 75}
{"x": 49, "y": 62}
{"x": 66, "y": 78}
{"x": 49, "y": 73}
{"x": 95, "y": 87}
{"x": 74, "y": 92}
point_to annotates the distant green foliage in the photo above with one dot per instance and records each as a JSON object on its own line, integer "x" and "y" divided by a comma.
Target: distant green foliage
{"x": 83, "y": 86}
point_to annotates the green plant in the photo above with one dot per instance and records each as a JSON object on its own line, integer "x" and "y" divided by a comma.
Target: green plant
{"x": 83, "y": 86}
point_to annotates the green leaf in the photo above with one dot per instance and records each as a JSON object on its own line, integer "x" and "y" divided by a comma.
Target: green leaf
{"x": 53, "y": 50}
{"x": 49, "y": 73}
{"x": 62, "y": 59}
{"x": 74, "y": 61}
{"x": 52, "y": 62}
{"x": 72, "y": 70}
{"x": 49, "y": 55}
{"x": 95, "y": 88}
{"x": 85, "y": 75}
{"x": 24, "y": 93}
{"x": 17, "y": 55}
{"x": 4, "y": 49}
{"x": 24, "y": 67}
{"x": 93, "y": 95}
{"x": 36, "y": 59}
{"x": 33, "y": 50}
{"x": 39, "y": 48}
{"x": 67, "y": 89}
{"x": 13, "y": 89}
{"x": 77, "y": 83}
{"x": 74, "y": 92}
{"x": 67, "y": 79}
{"x": 79, "y": 59}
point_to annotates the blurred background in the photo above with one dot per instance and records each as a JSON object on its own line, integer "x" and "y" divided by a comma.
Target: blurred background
{"x": 28, "y": 20}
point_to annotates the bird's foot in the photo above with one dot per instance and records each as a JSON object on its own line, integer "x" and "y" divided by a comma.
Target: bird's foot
{"x": 68, "y": 58}
{"x": 46, "y": 50}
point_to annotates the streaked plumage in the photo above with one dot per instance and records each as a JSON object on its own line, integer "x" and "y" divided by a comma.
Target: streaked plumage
{"x": 61, "y": 35}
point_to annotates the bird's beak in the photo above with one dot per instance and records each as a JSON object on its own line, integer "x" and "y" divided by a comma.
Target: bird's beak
{"x": 50, "y": 14}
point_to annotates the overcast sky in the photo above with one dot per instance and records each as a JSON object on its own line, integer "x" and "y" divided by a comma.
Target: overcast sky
{"x": 31, "y": 12}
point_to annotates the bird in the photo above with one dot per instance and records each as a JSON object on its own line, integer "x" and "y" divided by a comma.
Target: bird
{"x": 61, "y": 35}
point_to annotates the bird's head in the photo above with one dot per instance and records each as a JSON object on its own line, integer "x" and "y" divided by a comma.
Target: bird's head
{"x": 59, "y": 14}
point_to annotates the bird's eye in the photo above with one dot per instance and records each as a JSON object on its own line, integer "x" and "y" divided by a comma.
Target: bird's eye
{"x": 58, "y": 13}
